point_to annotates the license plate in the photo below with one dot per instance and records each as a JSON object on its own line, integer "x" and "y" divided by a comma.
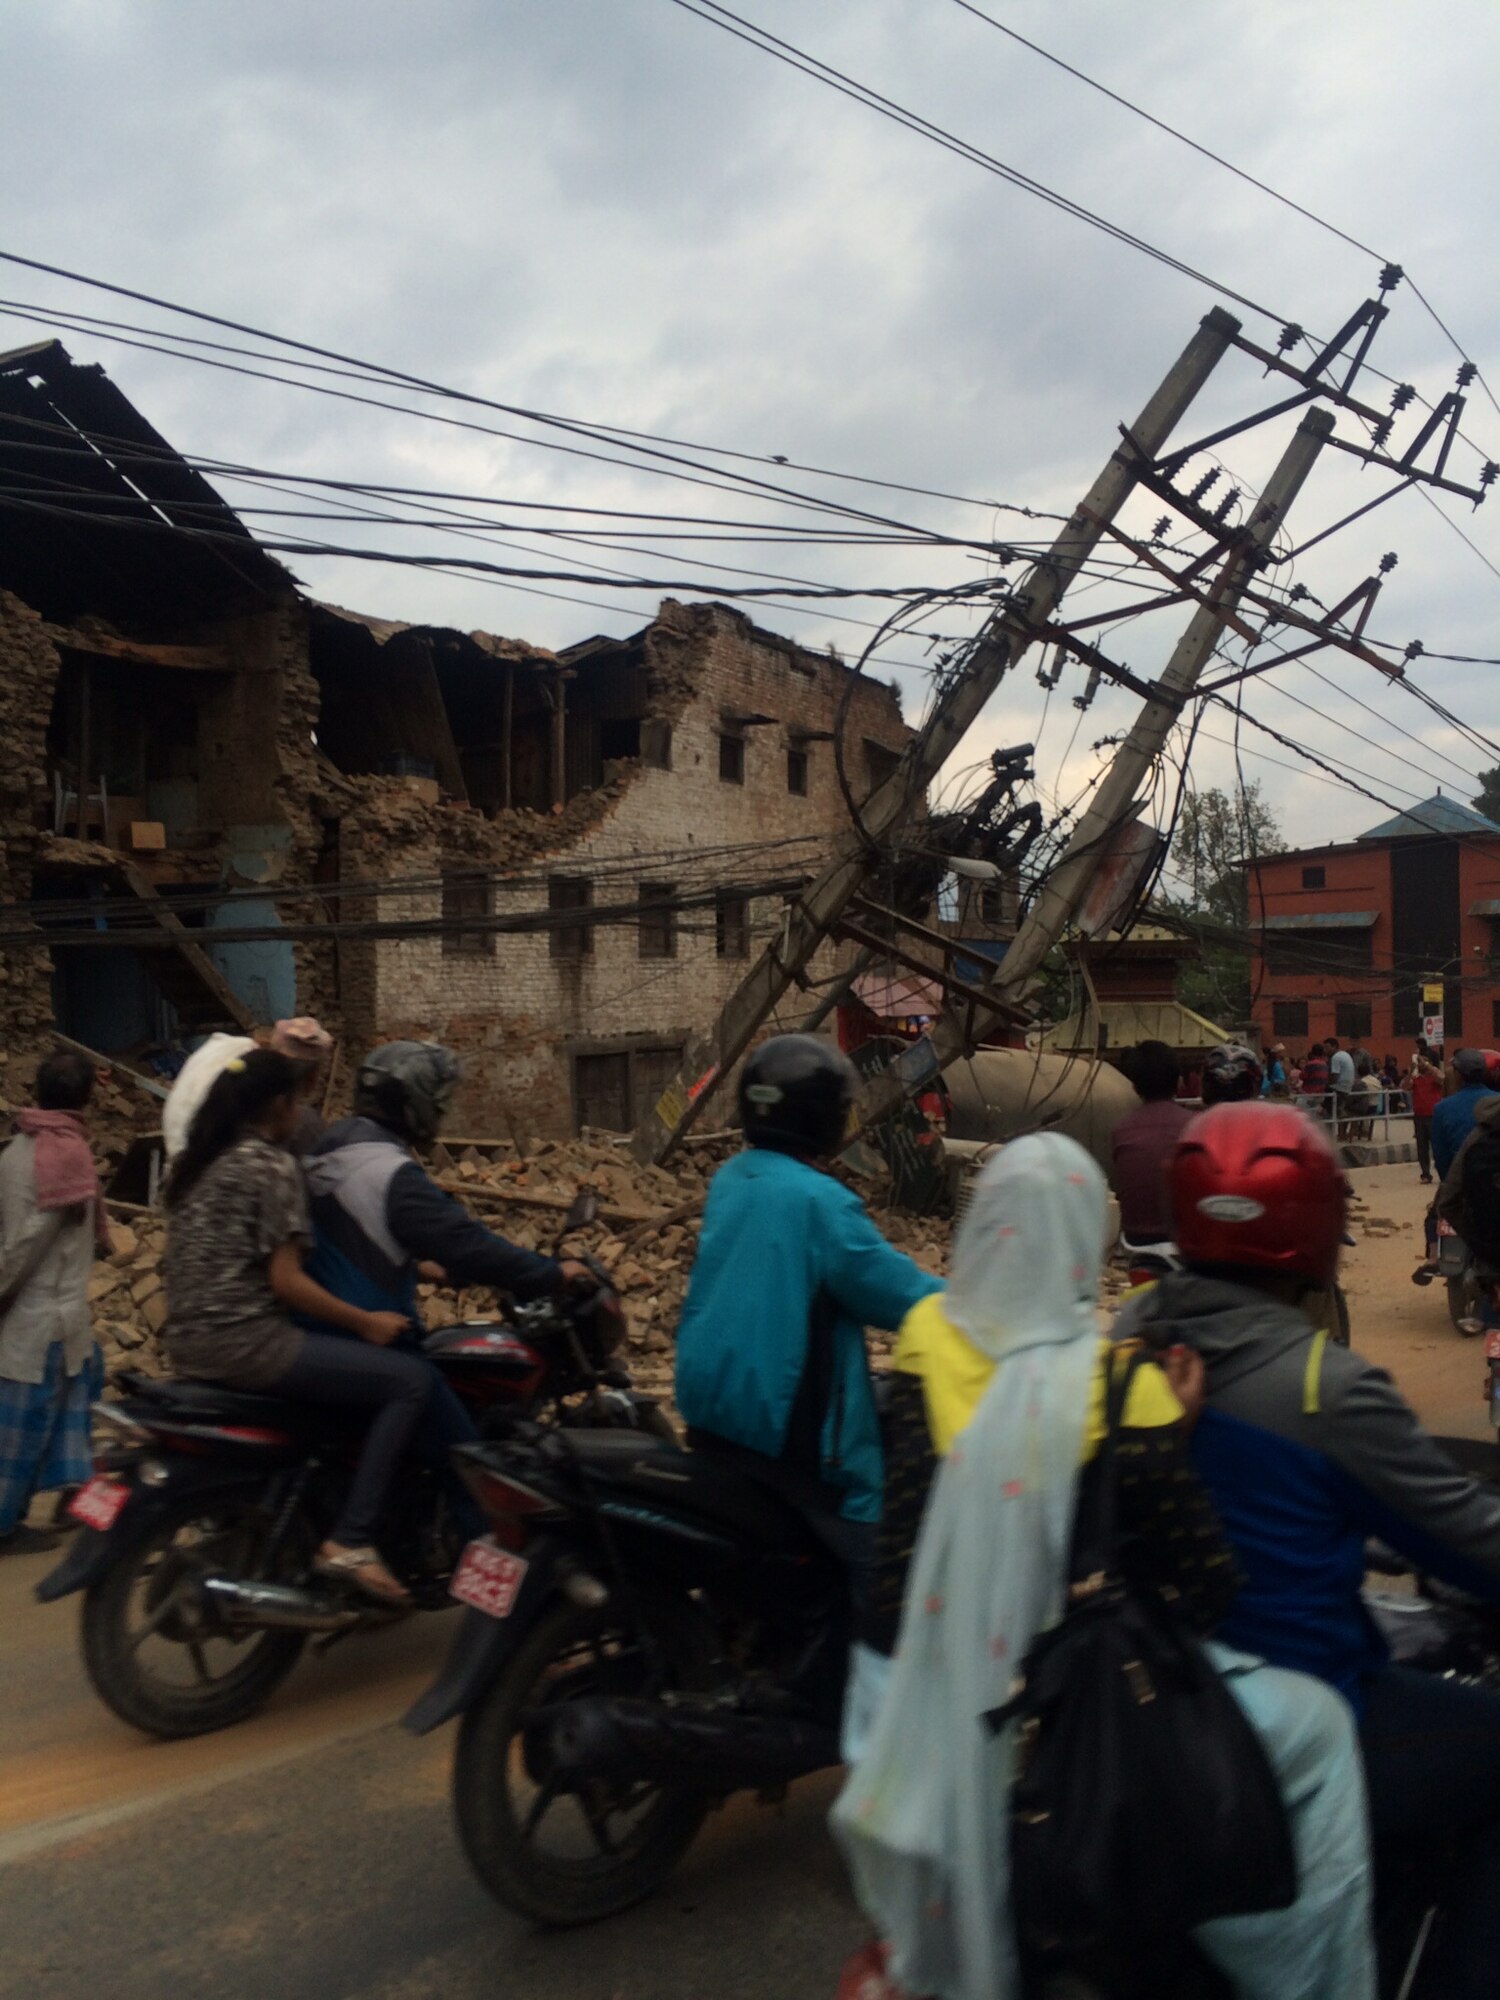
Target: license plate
{"x": 1492, "y": 1344}
{"x": 489, "y": 1578}
{"x": 99, "y": 1504}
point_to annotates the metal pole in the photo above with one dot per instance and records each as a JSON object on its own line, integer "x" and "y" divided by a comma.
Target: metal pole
{"x": 1001, "y": 644}
{"x": 1115, "y": 798}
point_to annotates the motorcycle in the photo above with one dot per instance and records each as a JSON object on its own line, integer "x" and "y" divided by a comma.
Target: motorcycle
{"x": 649, "y": 1630}
{"x": 207, "y": 1506}
{"x": 1454, "y": 1264}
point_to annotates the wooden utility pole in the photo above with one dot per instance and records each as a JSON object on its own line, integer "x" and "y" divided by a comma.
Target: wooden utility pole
{"x": 1005, "y": 637}
{"x": 1115, "y": 799}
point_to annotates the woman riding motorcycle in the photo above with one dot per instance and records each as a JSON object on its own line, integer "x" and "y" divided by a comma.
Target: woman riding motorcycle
{"x": 1005, "y": 1374}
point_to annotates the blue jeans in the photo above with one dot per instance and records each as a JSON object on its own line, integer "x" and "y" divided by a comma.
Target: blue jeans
{"x": 1432, "y": 1764}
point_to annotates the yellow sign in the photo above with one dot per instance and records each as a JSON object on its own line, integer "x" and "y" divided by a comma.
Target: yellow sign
{"x": 1432, "y": 996}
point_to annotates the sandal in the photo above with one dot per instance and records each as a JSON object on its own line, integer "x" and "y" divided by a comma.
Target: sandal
{"x": 363, "y": 1568}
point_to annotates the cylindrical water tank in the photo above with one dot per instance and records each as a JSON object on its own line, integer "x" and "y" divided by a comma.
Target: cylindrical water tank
{"x": 1001, "y": 1093}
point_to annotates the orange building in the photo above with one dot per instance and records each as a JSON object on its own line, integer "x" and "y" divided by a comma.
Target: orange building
{"x": 1354, "y": 940}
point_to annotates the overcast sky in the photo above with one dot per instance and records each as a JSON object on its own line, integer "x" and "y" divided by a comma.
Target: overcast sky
{"x": 611, "y": 210}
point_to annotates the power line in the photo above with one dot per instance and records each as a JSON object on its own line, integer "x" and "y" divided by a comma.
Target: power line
{"x": 760, "y": 38}
{"x": 646, "y": 445}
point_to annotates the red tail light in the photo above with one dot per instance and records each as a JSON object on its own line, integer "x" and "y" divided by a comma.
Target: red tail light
{"x": 510, "y": 1504}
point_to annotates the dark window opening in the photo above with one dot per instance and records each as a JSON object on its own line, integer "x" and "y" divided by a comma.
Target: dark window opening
{"x": 614, "y": 1088}
{"x": 658, "y": 923}
{"x": 466, "y": 896}
{"x": 601, "y": 1091}
{"x": 991, "y": 906}
{"x": 1314, "y": 878}
{"x": 656, "y": 745}
{"x": 1494, "y": 1019}
{"x": 880, "y": 761}
{"x": 619, "y": 739}
{"x": 571, "y": 892}
{"x": 1289, "y": 1017}
{"x": 796, "y": 773}
{"x": 732, "y": 760}
{"x": 732, "y": 926}
{"x": 1351, "y": 1019}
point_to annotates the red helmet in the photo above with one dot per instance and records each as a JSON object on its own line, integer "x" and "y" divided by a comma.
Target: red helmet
{"x": 1259, "y": 1186}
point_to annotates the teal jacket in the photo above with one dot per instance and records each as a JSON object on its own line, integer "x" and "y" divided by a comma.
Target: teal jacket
{"x": 771, "y": 1349}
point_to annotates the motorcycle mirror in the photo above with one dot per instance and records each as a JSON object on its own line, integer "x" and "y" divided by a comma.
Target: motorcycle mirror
{"x": 584, "y": 1210}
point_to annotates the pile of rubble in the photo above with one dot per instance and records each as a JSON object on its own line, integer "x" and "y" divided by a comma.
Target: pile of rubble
{"x": 646, "y": 1237}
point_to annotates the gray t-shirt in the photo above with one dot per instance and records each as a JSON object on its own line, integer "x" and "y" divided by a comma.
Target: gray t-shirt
{"x": 223, "y": 1321}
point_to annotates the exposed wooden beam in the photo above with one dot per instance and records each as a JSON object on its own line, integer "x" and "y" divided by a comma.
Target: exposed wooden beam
{"x": 199, "y": 659}
{"x": 184, "y": 942}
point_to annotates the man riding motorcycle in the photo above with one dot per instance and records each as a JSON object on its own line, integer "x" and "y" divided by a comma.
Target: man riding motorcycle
{"x": 1477, "y": 1072}
{"x": 1307, "y": 1450}
{"x": 771, "y": 1362}
{"x": 378, "y": 1215}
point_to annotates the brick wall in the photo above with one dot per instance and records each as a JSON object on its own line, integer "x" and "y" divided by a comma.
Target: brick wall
{"x": 520, "y": 1014}
{"x": 28, "y": 673}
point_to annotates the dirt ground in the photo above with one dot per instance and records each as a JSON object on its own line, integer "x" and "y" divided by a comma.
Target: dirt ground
{"x": 1403, "y": 1327}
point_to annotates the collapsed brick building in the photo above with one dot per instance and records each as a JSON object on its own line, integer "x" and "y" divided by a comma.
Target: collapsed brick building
{"x": 558, "y": 862}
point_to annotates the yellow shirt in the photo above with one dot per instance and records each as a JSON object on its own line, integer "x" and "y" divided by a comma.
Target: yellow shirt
{"x": 954, "y": 1375}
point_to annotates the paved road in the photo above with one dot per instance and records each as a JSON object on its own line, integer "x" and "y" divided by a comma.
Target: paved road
{"x": 309, "y": 1855}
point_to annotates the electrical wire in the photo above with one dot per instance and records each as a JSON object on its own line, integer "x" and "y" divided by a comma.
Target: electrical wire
{"x": 1240, "y": 173}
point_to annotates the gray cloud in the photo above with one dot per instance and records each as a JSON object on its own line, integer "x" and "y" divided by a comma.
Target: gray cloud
{"x": 605, "y": 207}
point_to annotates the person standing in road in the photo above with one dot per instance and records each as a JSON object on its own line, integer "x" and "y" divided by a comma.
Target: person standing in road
{"x": 1425, "y": 1088}
{"x": 1342, "y": 1077}
{"x": 52, "y": 1224}
{"x": 1315, "y": 1075}
{"x": 1144, "y": 1141}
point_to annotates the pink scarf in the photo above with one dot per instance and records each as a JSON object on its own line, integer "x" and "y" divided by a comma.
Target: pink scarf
{"x": 64, "y": 1164}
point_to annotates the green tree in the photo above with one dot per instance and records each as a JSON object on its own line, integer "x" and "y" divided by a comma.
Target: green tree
{"x": 1217, "y": 832}
{"x": 1487, "y": 799}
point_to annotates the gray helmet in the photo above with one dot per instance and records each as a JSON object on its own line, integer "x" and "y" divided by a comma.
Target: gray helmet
{"x": 1469, "y": 1065}
{"x": 407, "y": 1086}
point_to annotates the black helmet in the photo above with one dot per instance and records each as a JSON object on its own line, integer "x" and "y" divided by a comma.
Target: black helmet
{"x": 1231, "y": 1074}
{"x": 1469, "y": 1066}
{"x": 407, "y": 1086}
{"x": 795, "y": 1094}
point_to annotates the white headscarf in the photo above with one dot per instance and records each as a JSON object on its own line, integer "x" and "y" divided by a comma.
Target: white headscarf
{"x": 924, "y": 1817}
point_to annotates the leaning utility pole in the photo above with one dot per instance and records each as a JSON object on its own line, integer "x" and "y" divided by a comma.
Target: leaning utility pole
{"x": 1117, "y": 797}
{"x": 1005, "y": 637}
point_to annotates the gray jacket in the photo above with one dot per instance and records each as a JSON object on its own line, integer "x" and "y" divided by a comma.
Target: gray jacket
{"x": 46, "y": 1256}
{"x": 1307, "y": 1450}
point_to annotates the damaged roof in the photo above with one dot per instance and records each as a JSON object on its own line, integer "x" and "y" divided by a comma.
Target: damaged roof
{"x": 102, "y": 516}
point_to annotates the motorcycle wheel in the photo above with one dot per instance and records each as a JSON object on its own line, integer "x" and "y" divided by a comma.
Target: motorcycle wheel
{"x": 563, "y": 1859}
{"x": 151, "y": 1657}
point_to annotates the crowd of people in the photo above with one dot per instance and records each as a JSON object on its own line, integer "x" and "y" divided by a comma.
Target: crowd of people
{"x": 1241, "y": 1459}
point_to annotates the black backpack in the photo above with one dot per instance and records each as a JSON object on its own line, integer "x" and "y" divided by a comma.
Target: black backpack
{"x": 1481, "y": 1195}
{"x": 1143, "y": 1803}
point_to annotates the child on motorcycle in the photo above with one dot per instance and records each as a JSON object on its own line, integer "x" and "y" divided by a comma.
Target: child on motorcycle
{"x": 237, "y": 1232}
